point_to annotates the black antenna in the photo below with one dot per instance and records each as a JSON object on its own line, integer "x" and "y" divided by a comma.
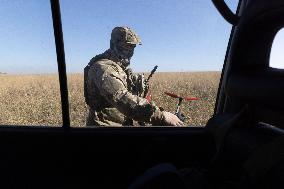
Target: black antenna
{"x": 58, "y": 35}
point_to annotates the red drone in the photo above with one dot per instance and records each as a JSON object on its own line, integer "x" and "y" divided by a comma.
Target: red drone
{"x": 180, "y": 99}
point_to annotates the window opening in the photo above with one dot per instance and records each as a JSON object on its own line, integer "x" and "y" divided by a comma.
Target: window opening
{"x": 29, "y": 84}
{"x": 276, "y": 56}
{"x": 187, "y": 40}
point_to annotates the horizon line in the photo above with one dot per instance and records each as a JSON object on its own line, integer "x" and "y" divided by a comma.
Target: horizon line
{"x": 51, "y": 73}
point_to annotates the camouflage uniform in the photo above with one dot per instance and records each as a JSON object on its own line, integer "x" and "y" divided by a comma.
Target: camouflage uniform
{"x": 111, "y": 89}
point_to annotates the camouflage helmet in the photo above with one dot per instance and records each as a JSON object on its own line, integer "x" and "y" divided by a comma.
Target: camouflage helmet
{"x": 124, "y": 35}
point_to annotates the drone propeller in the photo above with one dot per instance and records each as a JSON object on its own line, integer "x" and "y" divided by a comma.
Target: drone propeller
{"x": 172, "y": 95}
{"x": 184, "y": 98}
{"x": 180, "y": 99}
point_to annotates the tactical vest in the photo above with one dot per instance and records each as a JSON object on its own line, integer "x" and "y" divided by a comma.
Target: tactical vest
{"x": 135, "y": 86}
{"x": 105, "y": 55}
{"x": 86, "y": 71}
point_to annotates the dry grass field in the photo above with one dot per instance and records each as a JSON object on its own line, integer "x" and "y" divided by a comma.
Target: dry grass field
{"x": 35, "y": 99}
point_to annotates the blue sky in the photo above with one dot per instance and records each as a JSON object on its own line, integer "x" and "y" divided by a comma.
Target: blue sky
{"x": 183, "y": 35}
{"x": 276, "y": 56}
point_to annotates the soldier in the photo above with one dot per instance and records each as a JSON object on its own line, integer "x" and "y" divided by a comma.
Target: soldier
{"x": 111, "y": 88}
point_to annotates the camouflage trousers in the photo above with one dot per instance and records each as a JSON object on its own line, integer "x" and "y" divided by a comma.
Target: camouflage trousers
{"x": 108, "y": 117}
{"x": 99, "y": 118}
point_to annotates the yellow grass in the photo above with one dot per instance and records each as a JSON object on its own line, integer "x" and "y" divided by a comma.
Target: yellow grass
{"x": 35, "y": 99}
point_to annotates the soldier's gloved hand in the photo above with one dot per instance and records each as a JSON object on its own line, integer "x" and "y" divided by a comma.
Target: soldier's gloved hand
{"x": 171, "y": 119}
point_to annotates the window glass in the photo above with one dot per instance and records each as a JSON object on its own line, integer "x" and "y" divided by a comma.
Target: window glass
{"x": 29, "y": 86}
{"x": 276, "y": 56}
{"x": 232, "y": 4}
{"x": 186, "y": 39}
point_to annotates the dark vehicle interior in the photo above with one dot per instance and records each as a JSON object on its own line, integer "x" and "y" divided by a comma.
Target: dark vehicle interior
{"x": 240, "y": 147}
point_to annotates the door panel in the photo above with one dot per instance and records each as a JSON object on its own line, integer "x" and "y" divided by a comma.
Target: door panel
{"x": 102, "y": 157}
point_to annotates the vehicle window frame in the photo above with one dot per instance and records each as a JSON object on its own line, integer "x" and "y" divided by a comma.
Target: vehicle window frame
{"x": 60, "y": 53}
{"x": 220, "y": 98}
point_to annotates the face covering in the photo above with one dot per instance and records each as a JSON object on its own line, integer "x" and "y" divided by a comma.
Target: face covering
{"x": 124, "y": 54}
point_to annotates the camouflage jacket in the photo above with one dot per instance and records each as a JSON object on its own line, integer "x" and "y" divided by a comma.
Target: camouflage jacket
{"x": 111, "y": 95}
